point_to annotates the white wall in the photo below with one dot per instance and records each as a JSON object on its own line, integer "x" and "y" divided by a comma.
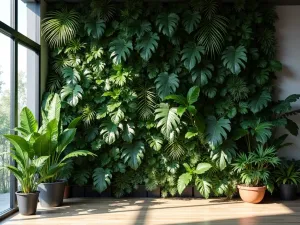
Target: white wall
{"x": 288, "y": 36}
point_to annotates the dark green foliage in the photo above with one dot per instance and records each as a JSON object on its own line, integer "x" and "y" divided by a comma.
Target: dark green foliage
{"x": 163, "y": 84}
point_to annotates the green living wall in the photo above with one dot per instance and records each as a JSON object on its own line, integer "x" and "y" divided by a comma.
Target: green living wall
{"x": 162, "y": 87}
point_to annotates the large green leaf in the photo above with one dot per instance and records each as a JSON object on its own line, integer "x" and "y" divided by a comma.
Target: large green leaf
{"x": 117, "y": 116}
{"x": 95, "y": 29}
{"x": 42, "y": 145}
{"x": 260, "y": 101}
{"x": 22, "y": 148}
{"x": 77, "y": 153}
{"x": 292, "y": 127}
{"x": 262, "y": 131}
{"x": 191, "y": 20}
{"x": 71, "y": 75}
{"x": 155, "y": 142}
{"x": 200, "y": 75}
{"x": 53, "y": 111}
{"x": 167, "y": 23}
{"x": 203, "y": 186}
{"x": 175, "y": 148}
{"x": 110, "y": 132}
{"x": 193, "y": 95}
{"x": 216, "y": 130}
{"x": 28, "y": 121}
{"x": 133, "y": 154}
{"x": 120, "y": 49}
{"x": 128, "y": 132}
{"x": 212, "y": 33}
{"x": 59, "y": 27}
{"x": 285, "y": 105}
{"x": 72, "y": 94}
{"x": 147, "y": 45}
{"x": 224, "y": 154}
{"x": 166, "y": 84}
{"x": 167, "y": 119}
{"x": 234, "y": 59}
{"x": 183, "y": 181}
{"x": 202, "y": 168}
{"x": 146, "y": 102}
{"x": 65, "y": 138}
{"x": 101, "y": 178}
{"x": 191, "y": 55}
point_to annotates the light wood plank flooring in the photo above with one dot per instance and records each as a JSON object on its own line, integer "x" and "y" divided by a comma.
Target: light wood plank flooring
{"x": 148, "y": 211}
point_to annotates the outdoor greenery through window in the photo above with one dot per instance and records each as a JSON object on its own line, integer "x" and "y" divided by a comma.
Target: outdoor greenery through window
{"x": 5, "y": 114}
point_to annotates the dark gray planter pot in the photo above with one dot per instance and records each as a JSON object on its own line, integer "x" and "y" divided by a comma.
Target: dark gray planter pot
{"x": 154, "y": 193}
{"x": 51, "y": 194}
{"x": 27, "y": 202}
{"x": 288, "y": 192}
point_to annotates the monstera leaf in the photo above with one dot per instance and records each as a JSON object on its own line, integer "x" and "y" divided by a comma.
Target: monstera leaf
{"x": 128, "y": 132}
{"x": 110, "y": 132}
{"x": 166, "y": 84}
{"x": 224, "y": 154}
{"x": 71, "y": 75}
{"x": 191, "y": 20}
{"x": 167, "y": 119}
{"x": 234, "y": 58}
{"x": 203, "y": 186}
{"x": 147, "y": 45}
{"x": 101, "y": 178}
{"x": 81, "y": 177}
{"x": 260, "y": 102}
{"x": 95, "y": 29}
{"x": 155, "y": 142}
{"x": 285, "y": 105}
{"x": 216, "y": 130}
{"x": 72, "y": 94}
{"x": 133, "y": 154}
{"x": 200, "y": 75}
{"x": 117, "y": 116}
{"x": 120, "y": 50}
{"x": 191, "y": 55}
{"x": 167, "y": 23}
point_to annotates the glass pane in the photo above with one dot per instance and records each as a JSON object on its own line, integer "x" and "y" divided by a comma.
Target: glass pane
{"x": 28, "y": 19}
{"x": 28, "y": 79}
{"x": 5, "y": 73}
{"x": 5, "y": 12}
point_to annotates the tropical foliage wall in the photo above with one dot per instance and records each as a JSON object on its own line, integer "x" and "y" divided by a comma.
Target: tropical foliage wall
{"x": 162, "y": 87}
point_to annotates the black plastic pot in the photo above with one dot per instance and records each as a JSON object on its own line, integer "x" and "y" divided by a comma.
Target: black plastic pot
{"x": 288, "y": 192}
{"x": 51, "y": 194}
{"x": 27, "y": 202}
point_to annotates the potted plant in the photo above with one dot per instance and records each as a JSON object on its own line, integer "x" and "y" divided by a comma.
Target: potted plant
{"x": 287, "y": 177}
{"x": 254, "y": 170}
{"x": 52, "y": 140}
{"x": 24, "y": 153}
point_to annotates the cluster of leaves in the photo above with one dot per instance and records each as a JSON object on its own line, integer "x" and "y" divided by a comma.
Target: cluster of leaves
{"x": 159, "y": 85}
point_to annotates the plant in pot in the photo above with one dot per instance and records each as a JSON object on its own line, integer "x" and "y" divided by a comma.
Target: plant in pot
{"x": 287, "y": 177}
{"x": 254, "y": 170}
{"x": 28, "y": 165}
{"x": 52, "y": 140}
{"x": 195, "y": 174}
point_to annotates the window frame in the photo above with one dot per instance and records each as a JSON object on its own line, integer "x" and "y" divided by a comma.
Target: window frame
{"x": 16, "y": 39}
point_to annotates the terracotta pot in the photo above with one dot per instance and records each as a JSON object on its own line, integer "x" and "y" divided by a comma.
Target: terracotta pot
{"x": 252, "y": 194}
{"x": 67, "y": 192}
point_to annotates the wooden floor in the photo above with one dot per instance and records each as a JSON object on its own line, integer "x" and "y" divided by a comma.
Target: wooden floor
{"x": 163, "y": 212}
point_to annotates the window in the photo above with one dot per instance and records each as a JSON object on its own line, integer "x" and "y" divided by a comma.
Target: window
{"x": 5, "y": 81}
{"x": 19, "y": 81}
{"x": 29, "y": 19}
{"x": 28, "y": 79}
{"x": 5, "y": 12}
